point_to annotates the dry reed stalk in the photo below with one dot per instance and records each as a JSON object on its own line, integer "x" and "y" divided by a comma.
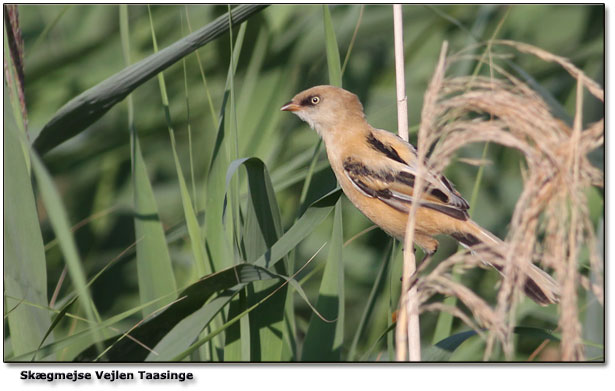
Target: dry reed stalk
{"x": 407, "y": 331}
{"x": 550, "y": 223}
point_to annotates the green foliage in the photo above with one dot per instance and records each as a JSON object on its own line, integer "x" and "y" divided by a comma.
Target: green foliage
{"x": 226, "y": 197}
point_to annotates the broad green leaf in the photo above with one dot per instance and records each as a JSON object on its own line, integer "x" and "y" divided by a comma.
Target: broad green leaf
{"x": 83, "y": 110}
{"x": 323, "y": 340}
{"x": 25, "y": 269}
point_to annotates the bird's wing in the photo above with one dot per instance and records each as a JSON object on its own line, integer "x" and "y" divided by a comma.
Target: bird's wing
{"x": 389, "y": 175}
{"x": 440, "y": 187}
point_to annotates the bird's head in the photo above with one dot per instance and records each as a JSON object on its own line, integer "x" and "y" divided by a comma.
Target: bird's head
{"x": 325, "y": 108}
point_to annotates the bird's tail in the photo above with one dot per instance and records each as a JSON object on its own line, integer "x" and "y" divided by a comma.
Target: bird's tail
{"x": 539, "y": 286}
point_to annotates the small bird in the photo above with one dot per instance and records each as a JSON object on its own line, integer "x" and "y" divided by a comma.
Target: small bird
{"x": 376, "y": 170}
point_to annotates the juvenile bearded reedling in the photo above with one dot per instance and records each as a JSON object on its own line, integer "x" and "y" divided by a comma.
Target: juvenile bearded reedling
{"x": 376, "y": 170}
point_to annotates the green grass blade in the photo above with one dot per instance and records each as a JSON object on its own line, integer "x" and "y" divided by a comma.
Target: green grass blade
{"x": 191, "y": 299}
{"x": 154, "y": 270}
{"x": 188, "y": 329}
{"x": 194, "y": 230}
{"x": 354, "y": 37}
{"x": 335, "y": 78}
{"x": 83, "y": 110}
{"x": 71, "y": 298}
{"x": 323, "y": 340}
{"x": 25, "y": 269}
{"x": 196, "y": 345}
{"x": 233, "y": 144}
{"x": 59, "y": 222}
{"x": 443, "y": 350}
{"x": 385, "y": 333}
{"x": 189, "y": 126}
{"x": 315, "y": 214}
{"x": 219, "y": 241}
{"x": 377, "y": 289}
{"x": 152, "y": 332}
{"x": 333, "y": 53}
{"x": 262, "y": 228}
{"x": 82, "y": 337}
{"x": 43, "y": 35}
{"x": 202, "y": 72}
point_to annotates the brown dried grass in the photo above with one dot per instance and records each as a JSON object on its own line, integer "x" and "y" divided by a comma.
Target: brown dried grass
{"x": 550, "y": 223}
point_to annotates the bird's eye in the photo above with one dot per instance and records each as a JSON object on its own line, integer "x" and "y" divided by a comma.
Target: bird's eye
{"x": 315, "y": 100}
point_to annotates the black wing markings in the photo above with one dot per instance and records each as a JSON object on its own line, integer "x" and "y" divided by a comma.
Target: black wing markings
{"x": 356, "y": 171}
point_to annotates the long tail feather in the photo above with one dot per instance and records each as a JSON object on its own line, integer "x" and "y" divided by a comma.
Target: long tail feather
{"x": 539, "y": 286}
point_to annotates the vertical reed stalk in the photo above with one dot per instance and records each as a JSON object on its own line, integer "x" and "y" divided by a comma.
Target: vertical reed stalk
{"x": 407, "y": 329}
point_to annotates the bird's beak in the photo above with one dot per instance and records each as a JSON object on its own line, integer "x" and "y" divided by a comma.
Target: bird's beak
{"x": 290, "y": 106}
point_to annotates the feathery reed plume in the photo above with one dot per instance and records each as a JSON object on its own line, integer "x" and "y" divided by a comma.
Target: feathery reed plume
{"x": 550, "y": 223}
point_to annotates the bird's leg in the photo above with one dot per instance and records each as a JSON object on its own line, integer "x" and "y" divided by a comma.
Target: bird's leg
{"x": 426, "y": 257}
{"x": 420, "y": 266}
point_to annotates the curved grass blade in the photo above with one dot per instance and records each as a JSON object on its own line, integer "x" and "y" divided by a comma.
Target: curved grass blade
{"x": 385, "y": 333}
{"x": 187, "y": 330}
{"x": 182, "y": 335}
{"x": 315, "y": 214}
{"x": 196, "y": 345}
{"x": 80, "y": 337}
{"x": 193, "y": 298}
{"x": 70, "y": 299}
{"x": 197, "y": 294}
{"x": 83, "y": 110}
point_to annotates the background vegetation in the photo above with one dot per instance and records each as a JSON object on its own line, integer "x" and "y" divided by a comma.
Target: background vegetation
{"x": 151, "y": 197}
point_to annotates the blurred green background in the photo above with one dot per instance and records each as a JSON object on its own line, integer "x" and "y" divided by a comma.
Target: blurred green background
{"x": 70, "y": 48}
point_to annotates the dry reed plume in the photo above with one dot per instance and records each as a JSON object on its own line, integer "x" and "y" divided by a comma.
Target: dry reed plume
{"x": 551, "y": 223}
